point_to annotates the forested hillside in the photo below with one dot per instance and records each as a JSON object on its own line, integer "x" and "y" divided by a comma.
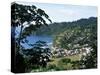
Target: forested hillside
{"x": 73, "y": 38}
{"x": 56, "y": 28}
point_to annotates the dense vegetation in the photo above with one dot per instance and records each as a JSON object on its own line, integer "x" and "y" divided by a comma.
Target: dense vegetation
{"x": 25, "y": 20}
{"x": 83, "y": 34}
{"x": 55, "y": 28}
{"x": 76, "y": 37}
{"x": 74, "y": 43}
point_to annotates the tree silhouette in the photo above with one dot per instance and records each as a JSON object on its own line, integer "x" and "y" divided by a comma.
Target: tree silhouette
{"x": 27, "y": 19}
{"x": 40, "y": 54}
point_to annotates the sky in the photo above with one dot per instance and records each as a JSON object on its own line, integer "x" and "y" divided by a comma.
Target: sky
{"x": 64, "y": 12}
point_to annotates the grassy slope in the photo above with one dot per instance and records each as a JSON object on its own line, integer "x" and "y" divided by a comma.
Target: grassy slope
{"x": 64, "y": 66}
{"x": 55, "y": 64}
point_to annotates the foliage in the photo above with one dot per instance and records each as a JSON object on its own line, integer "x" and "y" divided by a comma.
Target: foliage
{"x": 25, "y": 19}
{"x": 79, "y": 37}
{"x": 75, "y": 35}
{"x": 65, "y": 60}
{"x": 39, "y": 55}
{"x": 67, "y": 35}
{"x": 58, "y": 27}
{"x": 25, "y": 13}
{"x": 89, "y": 61}
{"x": 51, "y": 66}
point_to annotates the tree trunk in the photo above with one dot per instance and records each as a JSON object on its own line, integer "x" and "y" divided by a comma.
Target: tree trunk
{"x": 19, "y": 40}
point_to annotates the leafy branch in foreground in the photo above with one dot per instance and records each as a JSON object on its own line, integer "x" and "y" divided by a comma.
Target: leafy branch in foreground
{"x": 26, "y": 19}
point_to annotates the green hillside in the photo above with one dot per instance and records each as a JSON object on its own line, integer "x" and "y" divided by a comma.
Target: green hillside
{"x": 56, "y": 28}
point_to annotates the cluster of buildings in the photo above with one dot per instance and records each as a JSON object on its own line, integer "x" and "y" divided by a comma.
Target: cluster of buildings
{"x": 59, "y": 52}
